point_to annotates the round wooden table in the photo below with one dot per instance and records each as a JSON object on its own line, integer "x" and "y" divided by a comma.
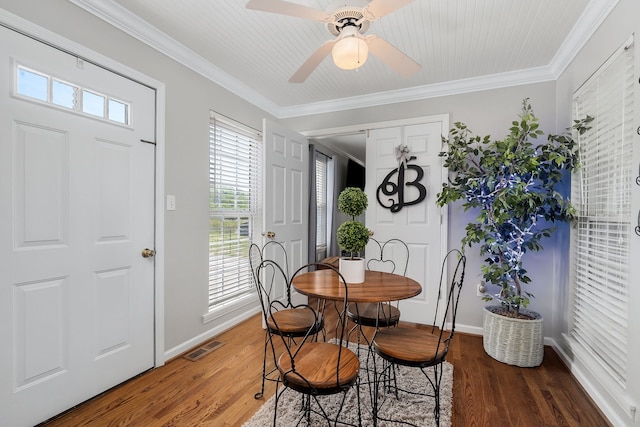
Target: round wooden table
{"x": 378, "y": 286}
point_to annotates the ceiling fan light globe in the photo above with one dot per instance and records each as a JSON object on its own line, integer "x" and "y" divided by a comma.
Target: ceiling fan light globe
{"x": 350, "y": 52}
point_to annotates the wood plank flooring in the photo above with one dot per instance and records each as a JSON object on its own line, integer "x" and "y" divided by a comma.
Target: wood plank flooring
{"x": 217, "y": 390}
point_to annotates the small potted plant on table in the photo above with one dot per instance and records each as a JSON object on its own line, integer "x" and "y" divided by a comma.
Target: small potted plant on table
{"x": 513, "y": 185}
{"x": 352, "y": 235}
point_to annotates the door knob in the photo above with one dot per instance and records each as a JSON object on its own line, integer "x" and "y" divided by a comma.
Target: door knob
{"x": 269, "y": 234}
{"x": 147, "y": 253}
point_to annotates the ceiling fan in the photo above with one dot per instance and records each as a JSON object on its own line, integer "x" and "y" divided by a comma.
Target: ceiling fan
{"x": 347, "y": 23}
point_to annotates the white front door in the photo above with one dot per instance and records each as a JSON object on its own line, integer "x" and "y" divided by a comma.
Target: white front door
{"x": 420, "y": 225}
{"x": 286, "y": 192}
{"x": 76, "y": 210}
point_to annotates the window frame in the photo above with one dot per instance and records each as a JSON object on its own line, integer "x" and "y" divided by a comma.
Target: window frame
{"x": 322, "y": 205}
{"x": 77, "y": 106}
{"x": 238, "y": 164}
{"x": 601, "y": 205}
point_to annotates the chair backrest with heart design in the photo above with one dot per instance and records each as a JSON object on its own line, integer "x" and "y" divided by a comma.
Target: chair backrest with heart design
{"x": 391, "y": 256}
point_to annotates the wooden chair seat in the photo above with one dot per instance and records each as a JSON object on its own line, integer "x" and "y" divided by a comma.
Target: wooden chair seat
{"x": 293, "y": 321}
{"x": 366, "y": 314}
{"x": 315, "y": 368}
{"x": 410, "y": 346}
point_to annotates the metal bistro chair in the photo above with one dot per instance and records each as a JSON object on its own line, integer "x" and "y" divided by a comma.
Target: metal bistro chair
{"x": 315, "y": 368}
{"x": 279, "y": 315}
{"x": 420, "y": 348}
{"x": 381, "y": 314}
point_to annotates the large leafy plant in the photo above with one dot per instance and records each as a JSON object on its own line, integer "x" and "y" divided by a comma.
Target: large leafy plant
{"x": 352, "y": 235}
{"x": 513, "y": 184}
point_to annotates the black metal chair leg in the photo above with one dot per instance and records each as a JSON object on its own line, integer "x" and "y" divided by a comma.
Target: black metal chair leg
{"x": 260, "y": 394}
{"x": 437, "y": 373}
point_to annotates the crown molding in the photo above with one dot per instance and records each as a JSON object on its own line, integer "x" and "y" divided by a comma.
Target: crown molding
{"x": 592, "y": 17}
{"x": 454, "y": 87}
{"x": 116, "y": 15}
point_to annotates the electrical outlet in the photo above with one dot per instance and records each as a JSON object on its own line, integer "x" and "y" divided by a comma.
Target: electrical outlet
{"x": 480, "y": 289}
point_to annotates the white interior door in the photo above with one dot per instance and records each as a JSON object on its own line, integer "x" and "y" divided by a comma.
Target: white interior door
{"x": 76, "y": 210}
{"x": 286, "y": 193}
{"x": 419, "y": 225}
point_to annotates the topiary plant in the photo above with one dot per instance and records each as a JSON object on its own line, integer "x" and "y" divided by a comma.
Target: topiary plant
{"x": 352, "y": 235}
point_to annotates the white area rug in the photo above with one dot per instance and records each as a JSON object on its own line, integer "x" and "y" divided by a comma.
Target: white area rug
{"x": 417, "y": 410}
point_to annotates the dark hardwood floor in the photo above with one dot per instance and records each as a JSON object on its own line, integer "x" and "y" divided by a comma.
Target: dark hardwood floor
{"x": 217, "y": 390}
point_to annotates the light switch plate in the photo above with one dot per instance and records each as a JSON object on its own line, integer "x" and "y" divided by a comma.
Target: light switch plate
{"x": 171, "y": 202}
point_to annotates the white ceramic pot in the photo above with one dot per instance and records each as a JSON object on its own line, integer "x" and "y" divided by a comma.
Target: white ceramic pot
{"x": 352, "y": 269}
{"x": 518, "y": 342}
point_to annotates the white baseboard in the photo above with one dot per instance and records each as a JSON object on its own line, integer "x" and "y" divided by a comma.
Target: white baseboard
{"x": 473, "y": 330}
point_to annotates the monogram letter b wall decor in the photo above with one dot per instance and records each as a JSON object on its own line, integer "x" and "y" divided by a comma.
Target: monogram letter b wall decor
{"x": 393, "y": 185}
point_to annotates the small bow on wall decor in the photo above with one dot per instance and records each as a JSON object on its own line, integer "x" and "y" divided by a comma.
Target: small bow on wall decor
{"x": 402, "y": 152}
{"x": 393, "y": 185}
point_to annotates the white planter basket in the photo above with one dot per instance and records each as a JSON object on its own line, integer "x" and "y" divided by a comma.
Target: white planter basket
{"x": 518, "y": 342}
{"x": 352, "y": 269}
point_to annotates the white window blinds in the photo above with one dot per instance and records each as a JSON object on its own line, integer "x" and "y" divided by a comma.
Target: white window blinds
{"x": 235, "y": 162}
{"x": 321, "y": 201}
{"x": 601, "y": 193}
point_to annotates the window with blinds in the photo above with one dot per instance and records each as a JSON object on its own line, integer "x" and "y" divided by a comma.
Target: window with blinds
{"x": 322, "y": 162}
{"x": 235, "y": 162}
{"x": 601, "y": 193}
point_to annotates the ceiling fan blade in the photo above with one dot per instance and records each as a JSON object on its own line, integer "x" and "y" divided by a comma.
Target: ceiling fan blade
{"x": 291, "y": 9}
{"x": 314, "y": 60}
{"x": 379, "y": 8}
{"x": 391, "y": 56}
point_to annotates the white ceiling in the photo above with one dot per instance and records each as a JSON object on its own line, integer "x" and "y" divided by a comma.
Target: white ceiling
{"x": 462, "y": 46}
